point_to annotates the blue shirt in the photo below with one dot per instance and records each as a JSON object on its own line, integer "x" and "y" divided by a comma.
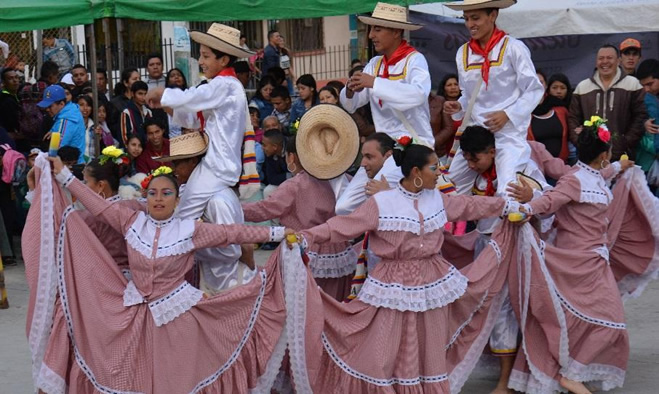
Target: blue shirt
{"x": 298, "y": 109}
{"x": 69, "y": 123}
{"x": 62, "y": 54}
{"x": 270, "y": 58}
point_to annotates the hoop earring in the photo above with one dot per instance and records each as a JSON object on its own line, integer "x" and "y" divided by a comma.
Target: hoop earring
{"x": 608, "y": 163}
{"x": 288, "y": 167}
{"x": 102, "y": 194}
{"x": 420, "y": 181}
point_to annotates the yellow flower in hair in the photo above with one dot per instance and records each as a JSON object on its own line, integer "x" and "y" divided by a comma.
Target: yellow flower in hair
{"x": 112, "y": 151}
{"x": 163, "y": 170}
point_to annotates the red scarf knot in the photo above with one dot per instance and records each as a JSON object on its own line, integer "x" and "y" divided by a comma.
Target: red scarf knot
{"x": 490, "y": 176}
{"x": 497, "y": 36}
{"x": 403, "y": 50}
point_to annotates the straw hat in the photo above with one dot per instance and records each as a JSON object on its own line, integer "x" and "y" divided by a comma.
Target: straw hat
{"x": 390, "y": 15}
{"x": 327, "y": 141}
{"x": 468, "y": 5}
{"x": 185, "y": 146}
{"x": 524, "y": 179}
{"x": 223, "y": 38}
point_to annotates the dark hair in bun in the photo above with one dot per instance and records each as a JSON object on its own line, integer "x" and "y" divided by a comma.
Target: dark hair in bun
{"x": 109, "y": 172}
{"x": 589, "y": 145}
{"x": 413, "y": 155}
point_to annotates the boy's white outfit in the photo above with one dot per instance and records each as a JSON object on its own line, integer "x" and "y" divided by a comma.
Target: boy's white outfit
{"x": 513, "y": 87}
{"x": 399, "y": 102}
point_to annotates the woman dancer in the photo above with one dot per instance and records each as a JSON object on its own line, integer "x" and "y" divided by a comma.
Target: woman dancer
{"x": 591, "y": 344}
{"x": 157, "y": 314}
{"x": 332, "y": 264}
{"x": 418, "y": 324}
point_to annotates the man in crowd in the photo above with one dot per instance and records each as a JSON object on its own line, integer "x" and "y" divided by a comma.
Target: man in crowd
{"x": 67, "y": 119}
{"x": 219, "y": 268}
{"x": 10, "y": 108}
{"x": 154, "y": 71}
{"x": 80, "y": 79}
{"x": 102, "y": 84}
{"x": 281, "y": 100}
{"x": 60, "y": 51}
{"x": 630, "y": 55}
{"x": 34, "y": 122}
{"x": 612, "y": 95}
{"x": 156, "y": 146}
{"x": 376, "y": 149}
{"x": 243, "y": 73}
{"x": 271, "y": 122}
{"x": 271, "y": 53}
{"x": 648, "y": 148}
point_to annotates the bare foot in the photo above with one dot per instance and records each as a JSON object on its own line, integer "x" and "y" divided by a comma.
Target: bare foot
{"x": 574, "y": 386}
{"x": 501, "y": 390}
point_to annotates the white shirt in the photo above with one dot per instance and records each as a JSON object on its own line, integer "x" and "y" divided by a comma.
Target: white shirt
{"x": 513, "y": 84}
{"x": 406, "y": 90}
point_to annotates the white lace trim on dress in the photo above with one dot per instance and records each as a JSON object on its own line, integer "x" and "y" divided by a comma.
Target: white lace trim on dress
{"x": 608, "y": 376}
{"x": 414, "y": 298}
{"x": 50, "y": 382}
{"x": 174, "y": 304}
{"x": 378, "y": 382}
{"x": 175, "y": 236}
{"x": 527, "y": 383}
{"x": 398, "y": 213}
{"x": 333, "y": 265}
{"x": 132, "y": 296}
{"x": 600, "y": 322}
{"x": 593, "y": 186}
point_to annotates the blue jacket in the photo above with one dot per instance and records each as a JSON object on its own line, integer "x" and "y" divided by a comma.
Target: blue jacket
{"x": 69, "y": 123}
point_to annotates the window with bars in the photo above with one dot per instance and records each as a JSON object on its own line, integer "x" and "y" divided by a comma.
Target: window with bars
{"x": 301, "y": 35}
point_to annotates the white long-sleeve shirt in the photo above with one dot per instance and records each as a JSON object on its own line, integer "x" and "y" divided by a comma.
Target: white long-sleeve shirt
{"x": 406, "y": 90}
{"x": 223, "y": 104}
{"x": 513, "y": 85}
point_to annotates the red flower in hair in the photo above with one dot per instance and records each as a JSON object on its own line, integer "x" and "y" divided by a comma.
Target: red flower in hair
{"x": 125, "y": 160}
{"x": 404, "y": 141}
{"x": 145, "y": 182}
{"x": 603, "y": 134}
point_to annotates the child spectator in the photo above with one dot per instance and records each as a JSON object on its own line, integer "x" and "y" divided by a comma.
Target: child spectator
{"x": 69, "y": 155}
{"x": 328, "y": 95}
{"x": 103, "y": 129}
{"x": 156, "y": 146}
{"x": 258, "y": 136}
{"x": 306, "y": 87}
{"x": 134, "y": 150}
{"x": 86, "y": 106}
{"x": 136, "y": 112}
{"x": 281, "y": 100}
{"x": 274, "y": 166}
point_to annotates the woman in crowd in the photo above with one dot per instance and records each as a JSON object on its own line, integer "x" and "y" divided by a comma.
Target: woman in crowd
{"x": 306, "y": 87}
{"x": 549, "y": 124}
{"x": 422, "y": 315}
{"x": 175, "y": 79}
{"x": 122, "y": 96}
{"x": 450, "y": 90}
{"x": 86, "y": 106}
{"x": 262, "y": 98}
{"x": 559, "y": 86}
{"x": 332, "y": 264}
{"x": 592, "y": 344}
{"x": 157, "y": 314}
{"x": 103, "y": 129}
{"x": 328, "y": 95}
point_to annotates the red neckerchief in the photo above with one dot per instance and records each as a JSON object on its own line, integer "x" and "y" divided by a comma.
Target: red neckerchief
{"x": 403, "y": 50}
{"x": 490, "y": 176}
{"x": 497, "y": 35}
{"x": 227, "y": 72}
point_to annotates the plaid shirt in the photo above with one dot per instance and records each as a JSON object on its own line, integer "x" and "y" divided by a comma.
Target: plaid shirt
{"x": 284, "y": 118}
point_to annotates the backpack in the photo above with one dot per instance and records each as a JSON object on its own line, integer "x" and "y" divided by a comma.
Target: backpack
{"x": 31, "y": 119}
{"x": 14, "y": 166}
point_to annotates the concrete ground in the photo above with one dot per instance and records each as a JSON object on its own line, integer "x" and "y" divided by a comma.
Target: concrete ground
{"x": 642, "y": 321}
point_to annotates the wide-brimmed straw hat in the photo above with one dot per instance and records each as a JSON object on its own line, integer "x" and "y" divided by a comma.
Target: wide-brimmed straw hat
{"x": 524, "y": 179}
{"x": 223, "y": 38}
{"x": 185, "y": 146}
{"x": 327, "y": 141}
{"x": 468, "y": 5}
{"x": 390, "y": 15}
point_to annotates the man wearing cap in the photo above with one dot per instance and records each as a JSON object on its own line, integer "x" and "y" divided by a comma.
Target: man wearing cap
{"x": 219, "y": 107}
{"x": 396, "y": 85}
{"x": 630, "y": 55}
{"x": 498, "y": 80}
{"x": 614, "y": 96}
{"x": 219, "y": 268}
{"x": 67, "y": 119}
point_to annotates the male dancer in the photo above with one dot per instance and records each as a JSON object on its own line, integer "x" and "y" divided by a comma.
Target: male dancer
{"x": 220, "y": 107}
{"x": 505, "y": 98}
{"x": 396, "y": 85}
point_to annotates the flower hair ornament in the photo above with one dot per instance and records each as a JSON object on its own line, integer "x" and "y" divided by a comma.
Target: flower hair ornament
{"x": 114, "y": 154}
{"x": 162, "y": 170}
{"x": 403, "y": 142}
{"x": 599, "y": 128}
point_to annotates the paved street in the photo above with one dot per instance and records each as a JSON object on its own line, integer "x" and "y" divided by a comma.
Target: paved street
{"x": 642, "y": 319}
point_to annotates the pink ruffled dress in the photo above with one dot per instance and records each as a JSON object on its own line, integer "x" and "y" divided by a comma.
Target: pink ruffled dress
{"x": 303, "y": 202}
{"x": 154, "y": 333}
{"x": 418, "y": 324}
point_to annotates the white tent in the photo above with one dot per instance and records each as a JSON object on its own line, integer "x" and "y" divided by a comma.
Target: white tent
{"x": 542, "y": 18}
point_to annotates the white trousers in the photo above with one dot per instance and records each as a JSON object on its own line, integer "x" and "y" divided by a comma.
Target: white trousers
{"x": 201, "y": 187}
{"x": 354, "y": 194}
{"x": 512, "y": 154}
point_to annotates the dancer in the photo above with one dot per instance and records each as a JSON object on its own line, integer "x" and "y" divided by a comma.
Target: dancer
{"x": 146, "y": 320}
{"x": 590, "y": 343}
{"x": 219, "y": 108}
{"x": 219, "y": 268}
{"x": 418, "y": 324}
{"x": 499, "y": 83}
{"x": 396, "y": 85}
{"x": 303, "y": 202}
